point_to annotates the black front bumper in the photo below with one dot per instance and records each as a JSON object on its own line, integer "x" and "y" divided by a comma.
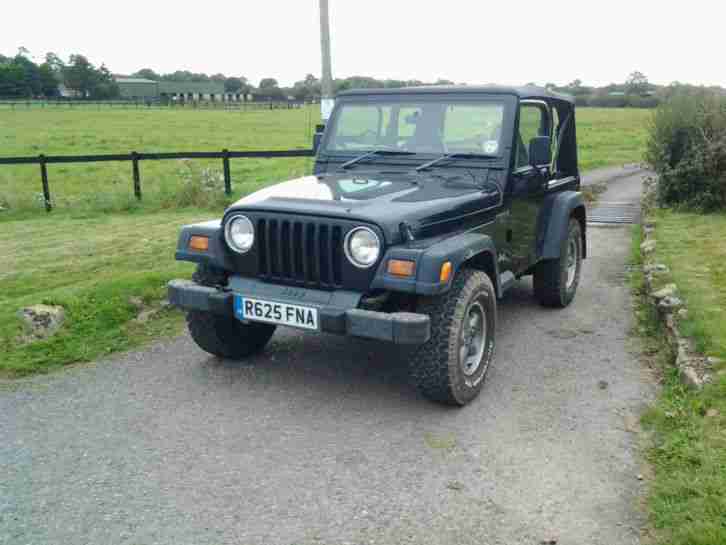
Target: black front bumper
{"x": 337, "y": 310}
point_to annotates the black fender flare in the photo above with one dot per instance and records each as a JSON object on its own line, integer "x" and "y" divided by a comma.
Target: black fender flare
{"x": 554, "y": 219}
{"x": 216, "y": 255}
{"x": 457, "y": 249}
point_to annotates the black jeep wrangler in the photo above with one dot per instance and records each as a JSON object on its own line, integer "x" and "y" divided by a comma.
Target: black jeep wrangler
{"x": 425, "y": 206}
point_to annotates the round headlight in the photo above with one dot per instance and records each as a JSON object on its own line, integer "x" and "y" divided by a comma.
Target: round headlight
{"x": 239, "y": 234}
{"x": 362, "y": 247}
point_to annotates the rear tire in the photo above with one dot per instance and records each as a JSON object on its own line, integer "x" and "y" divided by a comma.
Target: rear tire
{"x": 451, "y": 367}
{"x": 556, "y": 280}
{"x": 224, "y": 336}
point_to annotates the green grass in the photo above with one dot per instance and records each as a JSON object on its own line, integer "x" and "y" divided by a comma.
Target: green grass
{"x": 687, "y": 450}
{"x": 109, "y": 186}
{"x": 610, "y": 136}
{"x": 694, "y": 248}
{"x": 91, "y": 267}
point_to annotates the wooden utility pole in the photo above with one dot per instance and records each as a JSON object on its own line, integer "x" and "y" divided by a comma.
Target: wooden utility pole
{"x": 326, "y": 103}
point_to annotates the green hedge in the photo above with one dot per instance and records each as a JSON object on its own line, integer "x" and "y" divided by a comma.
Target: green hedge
{"x": 687, "y": 148}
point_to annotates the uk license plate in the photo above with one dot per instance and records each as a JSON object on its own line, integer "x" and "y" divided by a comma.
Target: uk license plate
{"x": 257, "y": 310}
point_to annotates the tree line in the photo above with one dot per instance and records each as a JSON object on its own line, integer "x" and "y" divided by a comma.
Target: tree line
{"x": 20, "y": 77}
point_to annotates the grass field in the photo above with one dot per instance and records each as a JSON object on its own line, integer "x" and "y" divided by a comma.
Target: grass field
{"x": 99, "y": 247}
{"x": 108, "y": 186}
{"x": 687, "y": 494}
{"x": 605, "y": 136}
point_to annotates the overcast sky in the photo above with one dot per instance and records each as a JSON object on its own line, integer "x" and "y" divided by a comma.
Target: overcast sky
{"x": 467, "y": 41}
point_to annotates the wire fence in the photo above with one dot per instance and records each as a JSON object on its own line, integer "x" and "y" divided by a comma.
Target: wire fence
{"x": 135, "y": 158}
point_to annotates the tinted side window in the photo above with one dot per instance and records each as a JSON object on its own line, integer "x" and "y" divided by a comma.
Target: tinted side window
{"x": 533, "y": 121}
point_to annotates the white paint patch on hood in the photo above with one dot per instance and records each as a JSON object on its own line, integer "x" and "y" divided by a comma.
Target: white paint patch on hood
{"x": 307, "y": 187}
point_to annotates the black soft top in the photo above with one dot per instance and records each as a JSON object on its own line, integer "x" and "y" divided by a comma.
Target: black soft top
{"x": 527, "y": 92}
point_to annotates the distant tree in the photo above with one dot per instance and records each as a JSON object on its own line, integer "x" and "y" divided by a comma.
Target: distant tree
{"x": 185, "y": 75}
{"x": 221, "y": 78}
{"x": 79, "y": 75}
{"x": 90, "y": 82}
{"x": 269, "y": 83}
{"x": 300, "y": 92}
{"x": 48, "y": 80}
{"x": 636, "y": 84}
{"x": 550, "y": 86}
{"x": 31, "y": 74}
{"x": 441, "y": 81}
{"x": 54, "y": 61}
{"x": 12, "y": 83}
{"x": 105, "y": 86}
{"x": 147, "y": 73}
{"x": 306, "y": 88}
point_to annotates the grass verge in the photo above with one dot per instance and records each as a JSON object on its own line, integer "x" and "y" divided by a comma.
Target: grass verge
{"x": 687, "y": 447}
{"x": 92, "y": 267}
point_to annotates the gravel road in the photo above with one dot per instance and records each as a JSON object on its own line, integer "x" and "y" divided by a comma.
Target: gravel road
{"x": 321, "y": 440}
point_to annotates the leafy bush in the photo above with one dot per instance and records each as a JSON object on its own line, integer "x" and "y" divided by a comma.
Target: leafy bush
{"x": 687, "y": 149}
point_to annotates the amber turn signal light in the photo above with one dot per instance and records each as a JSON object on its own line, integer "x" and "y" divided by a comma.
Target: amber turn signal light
{"x": 200, "y": 244}
{"x": 445, "y": 272}
{"x": 401, "y": 267}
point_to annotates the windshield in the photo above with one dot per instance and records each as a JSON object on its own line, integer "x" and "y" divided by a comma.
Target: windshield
{"x": 445, "y": 126}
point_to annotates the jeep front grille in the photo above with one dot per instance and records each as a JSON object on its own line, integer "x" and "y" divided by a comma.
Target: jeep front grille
{"x": 306, "y": 253}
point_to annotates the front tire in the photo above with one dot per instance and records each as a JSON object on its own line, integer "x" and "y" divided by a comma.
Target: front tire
{"x": 227, "y": 337}
{"x": 451, "y": 367}
{"x": 224, "y": 336}
{"x": 556, "y": 280}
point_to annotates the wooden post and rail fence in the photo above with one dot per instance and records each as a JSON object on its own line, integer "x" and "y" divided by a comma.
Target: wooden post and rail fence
{"x": 136, "y": 158}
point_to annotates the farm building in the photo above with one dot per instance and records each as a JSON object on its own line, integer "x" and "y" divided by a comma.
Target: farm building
{"x": 193, "y": 90}
{"x": 139, "y": 88}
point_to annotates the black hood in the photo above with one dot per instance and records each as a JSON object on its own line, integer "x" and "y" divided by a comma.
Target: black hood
{"x": 429, "y": 205}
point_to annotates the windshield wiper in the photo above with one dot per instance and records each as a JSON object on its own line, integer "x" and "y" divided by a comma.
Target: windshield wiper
{"x": 448, "y": 156}
{"x": 360, "y": 158}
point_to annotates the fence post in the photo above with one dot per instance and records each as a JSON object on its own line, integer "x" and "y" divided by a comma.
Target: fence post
{"x": 44, "y": 179}
{"x": 227, "y": 176}
{"x": 137, "y": 175}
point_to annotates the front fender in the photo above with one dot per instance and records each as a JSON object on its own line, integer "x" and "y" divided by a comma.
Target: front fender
{"x": 553, "y": 222}
{"x": 216, "y": 255}
{"x": 457, "y": 249}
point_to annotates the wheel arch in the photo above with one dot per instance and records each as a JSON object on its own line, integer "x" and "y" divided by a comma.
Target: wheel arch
{"x": 554, "y": 220}
{"x": 486, "y": 262}
{"x": 473, "y": 249}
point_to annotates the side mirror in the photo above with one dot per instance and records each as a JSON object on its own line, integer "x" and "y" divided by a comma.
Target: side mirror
{"x": 318, "y": 137}
{"x": 540, "y": 151}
